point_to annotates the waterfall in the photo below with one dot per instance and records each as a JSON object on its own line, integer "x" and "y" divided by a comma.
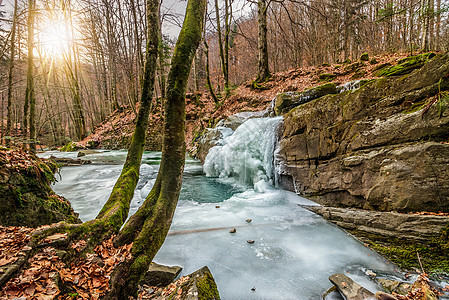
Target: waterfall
{"x": 247, "y": 154}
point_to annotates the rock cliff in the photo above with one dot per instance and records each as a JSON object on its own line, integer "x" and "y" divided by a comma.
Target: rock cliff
{"x": 383, "y": 146}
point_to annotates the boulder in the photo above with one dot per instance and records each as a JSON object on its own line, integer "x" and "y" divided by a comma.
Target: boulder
{"x": 327, "y": 76}
{"x": 87, "y": 152}
{"x": 350, "y": 289}
{"x": 376, "y": 148}
{"x": 159, "y": 275}
{"x": 364, "y": 57}
{"x": 71, "y": 146}
{"x": 209, "y": 138}
{"x": 377, "y": 70}
{"x": 69, "y": 162}
{"x": 391, "y": 286}
{"x": 26, "y": 198}
{"x": 199, "y": 285}
{"x": 286, "y": 101}
{"x": 352, "y": 85}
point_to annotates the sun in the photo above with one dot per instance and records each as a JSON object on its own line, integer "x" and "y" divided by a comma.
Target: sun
{"x": 55, "y": 38}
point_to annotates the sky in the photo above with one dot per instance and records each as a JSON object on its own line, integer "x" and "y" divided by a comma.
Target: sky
{"x": 172, "y": 12}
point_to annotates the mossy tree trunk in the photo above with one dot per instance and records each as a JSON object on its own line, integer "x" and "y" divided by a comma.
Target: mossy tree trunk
{"x": 263, "y": 68}
{"x": 149, "y": 226}
{"x": 117, "y": 207}
{"x": 30, "y": 98}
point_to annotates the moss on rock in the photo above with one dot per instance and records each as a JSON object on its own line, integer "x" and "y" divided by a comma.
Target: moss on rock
{"x": 406, "y": 65}
{"x": 364, "y": 57}
{"x": 26, "y": 198}
{"x": 287, "y": 101}
{"x": 327, "y": 76}
{"x": 69, "y": 147}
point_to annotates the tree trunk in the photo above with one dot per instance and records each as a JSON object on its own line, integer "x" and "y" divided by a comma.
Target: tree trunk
{"x": 425, "y": 26}
{"x": 263, "y": 70}
{"x": 149, "y": 226}
{"x": 220, "y": 47}
{"x": 29, "y": 92}
{"x": 11, "y": 69}
{"x": 438, "y": 27}
{"x": 123, "y": 190}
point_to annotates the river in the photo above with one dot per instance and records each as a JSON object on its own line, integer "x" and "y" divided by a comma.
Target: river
{"x": 294, "y": 251}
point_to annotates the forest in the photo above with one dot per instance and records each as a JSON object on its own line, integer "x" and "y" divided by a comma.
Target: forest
{"x": 86, "y": 57}
{"x": 267, "y": 148}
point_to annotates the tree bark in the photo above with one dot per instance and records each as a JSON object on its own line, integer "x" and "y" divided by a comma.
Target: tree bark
{"x": 263, "y": 70}
{"x": 30, "y": 98}
{"x": 10, "y": 73}
{"x": 117, "y": 206}
{"x": 149, "y": 226}
{"x": 223, "y": 63}
{"x": 425, "y": 26}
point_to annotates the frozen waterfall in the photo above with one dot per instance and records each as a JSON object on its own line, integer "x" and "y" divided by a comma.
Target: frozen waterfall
{"x": 247, "y": 154}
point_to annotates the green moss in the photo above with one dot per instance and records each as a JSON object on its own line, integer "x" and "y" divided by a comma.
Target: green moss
{"x": 364, "y": 57}
{"x": 327, "y": 76}
{"x": 378, "y": 70}
{"x": 207, "y": 288}
{"x": 337, "y": 66}
{"x": 415, "y": 107}
{"x": 256, "y": 85}
{"x": 406, "y": 65}
{"x": 373, "y": 61}
{"x": 70, "y": 147}
{"x": 433, "y": 254}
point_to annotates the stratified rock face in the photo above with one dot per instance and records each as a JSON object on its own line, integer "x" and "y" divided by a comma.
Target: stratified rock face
{"x": 26, "y": 198}
{"x": 373, "y": 148}
{"x": 286, "y": 101}
{"x": 411, "y": 227}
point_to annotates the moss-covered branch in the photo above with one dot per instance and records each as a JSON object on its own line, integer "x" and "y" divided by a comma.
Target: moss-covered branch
{"x": 117, "y": 207}
{"x": 149, "y": 226}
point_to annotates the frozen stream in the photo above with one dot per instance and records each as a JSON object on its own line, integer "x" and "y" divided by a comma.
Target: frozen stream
{"x": 294, "y": 253}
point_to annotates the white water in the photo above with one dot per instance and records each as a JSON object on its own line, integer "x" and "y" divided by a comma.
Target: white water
{"x": 247, "y": 154}
{"x": 294, "y": 252}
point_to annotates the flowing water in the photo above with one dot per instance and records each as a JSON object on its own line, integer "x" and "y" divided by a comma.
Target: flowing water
{"x": 294, "y": 251}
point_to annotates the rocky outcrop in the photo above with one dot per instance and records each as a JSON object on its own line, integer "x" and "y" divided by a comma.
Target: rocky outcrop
{"x": 411, "y": 227}
{"x": 286, "y": 101}
{"x": 381, "y": 147}
{"x": 406, "y": 65}
{"x": 160, "y": 275}
{"x": 200, "y": 285}
{"x": 26, "y": 198}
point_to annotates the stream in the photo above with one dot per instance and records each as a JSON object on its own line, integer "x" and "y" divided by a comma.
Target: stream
{"x": 294, "y": 251}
